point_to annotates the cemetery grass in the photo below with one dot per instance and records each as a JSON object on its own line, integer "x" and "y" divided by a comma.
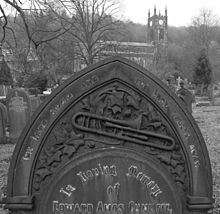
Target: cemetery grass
{"x": 208, "y": 120}
{"x": 6, "y": 151}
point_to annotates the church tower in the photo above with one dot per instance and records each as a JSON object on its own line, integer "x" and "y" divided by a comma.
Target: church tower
{"x": 157, "y": 34}
{"x": 157, "y": 27}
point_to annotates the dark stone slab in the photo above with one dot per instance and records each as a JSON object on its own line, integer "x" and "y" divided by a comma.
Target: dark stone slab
{"x": 111, "y": 139}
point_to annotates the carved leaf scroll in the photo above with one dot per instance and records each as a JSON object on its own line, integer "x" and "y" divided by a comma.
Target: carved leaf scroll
{"x": 141, "y": 116}
{"x": 118, "y": 113}
{"x": 65, "y": 147}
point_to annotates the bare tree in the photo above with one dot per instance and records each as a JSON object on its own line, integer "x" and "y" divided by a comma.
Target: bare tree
{"x": 27, "y": 28}
{"x": 203, "y": 29}
{"x": 42, "y": 29}
{"x": 31, "y": 14}
{"x": 203, "y": 33}
{"x": 92, "y": 23}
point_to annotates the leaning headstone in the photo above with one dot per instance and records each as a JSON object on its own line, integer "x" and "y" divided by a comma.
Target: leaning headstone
{"x": 19, "y": 111}
{"x": 3, "y": 123}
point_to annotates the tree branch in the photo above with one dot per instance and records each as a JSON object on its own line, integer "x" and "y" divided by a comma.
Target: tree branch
{"x": 4, "y": 25}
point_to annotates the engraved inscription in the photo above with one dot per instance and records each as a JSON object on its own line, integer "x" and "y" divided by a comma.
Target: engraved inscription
{"x": 73, "y": 207}
{"x": 144, "y": 179}
{"x": 109, "y": 208}
{"x": 28, "y": 153}
{"x": 94, "y": 172}
{"x": 40, "y": 129}
{"x": 195, "y": 155}
{"x": 112, "y": 202}
{"x": 68, "y": 190}
{"x": 61, "y": 103}
{"x": 113, "y": 190}
{"x": 146, "y": 208}
{"x": 160, "y": 99}
{"x": 116, "y": 208}
{"x": 181, "y": 125}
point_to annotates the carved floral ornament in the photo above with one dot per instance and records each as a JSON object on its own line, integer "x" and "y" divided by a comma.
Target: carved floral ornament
{"x": 119, "y": 117}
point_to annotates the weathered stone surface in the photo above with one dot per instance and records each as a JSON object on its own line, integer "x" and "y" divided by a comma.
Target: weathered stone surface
{"x": 18, "y": 105}
{"x": 112, "y": 139}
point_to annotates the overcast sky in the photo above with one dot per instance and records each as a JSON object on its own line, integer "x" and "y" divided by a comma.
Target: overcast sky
{"x": 180, "y": 13}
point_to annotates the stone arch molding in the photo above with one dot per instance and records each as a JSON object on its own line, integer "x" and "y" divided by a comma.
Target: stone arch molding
{"x": 114, "y": 106}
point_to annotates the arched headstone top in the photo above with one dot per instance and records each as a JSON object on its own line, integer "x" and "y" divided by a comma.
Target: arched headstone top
{"x": 109, "y": 121}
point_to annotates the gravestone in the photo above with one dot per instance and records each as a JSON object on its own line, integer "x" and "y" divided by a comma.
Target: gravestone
{"x": 3, "y": 123}
{"x": 186, "y": 96}
{"x": 35, "y": 102}
{"x": 18, "y": 105}
{"x": 111, "y": 139}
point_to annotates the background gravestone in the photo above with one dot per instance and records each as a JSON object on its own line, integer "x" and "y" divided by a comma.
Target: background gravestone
{"x": 35, "y": 102}
{"x": 19, "y": 111}
{"x": 112, "y": 139}
{"x": 3, "y": 123}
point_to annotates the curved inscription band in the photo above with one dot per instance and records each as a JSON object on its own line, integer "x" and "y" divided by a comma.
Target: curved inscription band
{"x": 120, "y": 130}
